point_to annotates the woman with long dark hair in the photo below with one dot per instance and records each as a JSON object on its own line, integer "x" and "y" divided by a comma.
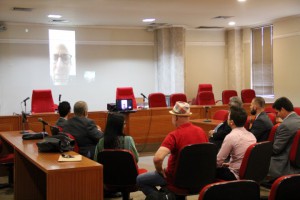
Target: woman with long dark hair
{"x": 114, "y": 137}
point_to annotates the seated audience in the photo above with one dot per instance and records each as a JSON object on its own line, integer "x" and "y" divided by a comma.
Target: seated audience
{"x": 219, "y": 133}
{"x": 87, "y": 134}
{"x": 261, "y": 124}
{"x": 114, "y": 138}
{"x": 285, "y": 133}
{"x": 185, "y": 134}
{"x": 64, "y": 109}
{"x": 234, "y": 145}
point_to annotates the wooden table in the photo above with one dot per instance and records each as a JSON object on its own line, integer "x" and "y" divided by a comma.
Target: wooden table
{"x": 41, "y": 176}
{"x": 206, "y": 126}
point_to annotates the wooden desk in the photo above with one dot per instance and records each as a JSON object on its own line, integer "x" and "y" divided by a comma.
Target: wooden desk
{"x": 41, "y": 176}
{"x": 206, "y": 126}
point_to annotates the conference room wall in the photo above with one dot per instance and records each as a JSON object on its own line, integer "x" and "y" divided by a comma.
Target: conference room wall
{"x": 119, "y": 57}
{"x": 286, "y": 58}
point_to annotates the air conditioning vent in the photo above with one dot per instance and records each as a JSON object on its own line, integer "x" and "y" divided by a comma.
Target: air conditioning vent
{"x": 209, "y": 27}
{"x": 222, "y": 17}
{"x": 22, "y": 9}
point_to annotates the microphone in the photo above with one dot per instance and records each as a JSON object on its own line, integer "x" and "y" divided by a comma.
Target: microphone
{"x": 41, "y": 120}
{"x": 25, "y": 100}
{"x": 143, "y": 96}
{"x": 59, "y": 97}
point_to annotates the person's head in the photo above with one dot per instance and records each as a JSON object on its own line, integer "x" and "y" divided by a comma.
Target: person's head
{"x": 283, "y": 107}
{"x": 61, "y": 64}
{"x": 64, "y": 108}
{"x": 257, "y": 105}
{"x": 114, "y": 128}
{"x": 235, "y": 101}
{"x": 180, "y": 113}
{"x": 237, "y": 117}
{"x": 81, "y": 109}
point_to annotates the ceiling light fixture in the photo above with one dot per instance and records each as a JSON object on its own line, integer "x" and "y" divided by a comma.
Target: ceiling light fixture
{"x": 149, "y": 20}
{"x": 242, "y": 0}
{"x": 231, "y": 23}
{"x": 55, "y": 16}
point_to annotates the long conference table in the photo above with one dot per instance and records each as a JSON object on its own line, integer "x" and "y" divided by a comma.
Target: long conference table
{"x": 41, "y": 176}
{"x": 146, "y": 126}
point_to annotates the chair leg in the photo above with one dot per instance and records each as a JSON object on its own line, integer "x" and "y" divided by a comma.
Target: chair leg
{"x": 125, "y": 195}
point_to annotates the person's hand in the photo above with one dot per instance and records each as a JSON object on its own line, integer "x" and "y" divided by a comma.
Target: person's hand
{"x": 211, "y": 132}
{"x": 225, "y": 165}
{"x": 99, "y": 128}
{"x": 162, "y": 173}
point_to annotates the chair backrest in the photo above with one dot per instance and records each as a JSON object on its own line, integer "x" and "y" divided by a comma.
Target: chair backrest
{"x": 256, "y": 161}
{"x": 221, "y": 115}
{"x": 177, "y": 97}
{"x": 233, "y": 190}
{"x": 247, "y": 95}
{"x": 157, "y": 100}
{"x": 126, "y": 93}
{"x": 272, "y": 132}
{"x": 119, "y": 168}
{"x": 204, "y": 87}
{"x": 295, "y": 151}
{"x": 285, "y": 187}
{"x": 269, "y": 109}
{"x": 206, "y": 98}
{"x": 227, "y": 94}
{"x": 196, "y": 166}
{"x": 297, "y": 110}
{"x": 272, "y": 117}
{"x": 42, "y": 101}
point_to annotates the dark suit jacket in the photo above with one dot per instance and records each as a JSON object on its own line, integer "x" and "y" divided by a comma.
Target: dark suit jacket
{"x": 218, "y": 137}
{"x": 61, "y": 122}
{"x": 86, "y": 134}
{"x": 261, "y": 127}
{"x": 285, "y": 133}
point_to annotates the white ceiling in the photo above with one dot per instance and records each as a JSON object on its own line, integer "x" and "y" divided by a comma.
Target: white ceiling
{"x": 129, "y": 13}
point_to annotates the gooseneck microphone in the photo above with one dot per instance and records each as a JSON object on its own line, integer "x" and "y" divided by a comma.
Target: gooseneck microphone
{"x": 59, "y": 97}
{"x": 43, "y": 122}
{"x": 24, "y": 101}
{"x": 143, "y": 96}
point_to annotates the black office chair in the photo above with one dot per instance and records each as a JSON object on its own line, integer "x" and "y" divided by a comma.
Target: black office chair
{"x": 286, "y": 188}
{"x": 196, "y": 167}
{"x": 119, "y": 171}
{"x": 231, "y": 190}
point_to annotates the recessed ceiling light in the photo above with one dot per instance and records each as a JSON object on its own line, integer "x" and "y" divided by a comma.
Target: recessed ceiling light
{"x": 149, "y": 20}
{"x": 231, "y": 23}
{"x": 241, "y": 0}
{"x": 54, "y": 16}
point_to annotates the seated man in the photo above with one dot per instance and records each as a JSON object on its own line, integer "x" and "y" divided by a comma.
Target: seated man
{"x": 185, "y": 134}
{"x": 234, "y": 145}
{"x": 85, "y": 131}
{"x": 261, "y": 125}
{"x": 219, "y": 133}
{"x": 285, "y": 133}
{"x": 64, "y": 109}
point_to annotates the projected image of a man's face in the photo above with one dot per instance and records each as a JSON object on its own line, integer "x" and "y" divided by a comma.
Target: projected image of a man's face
{"x": 61, "y": 65}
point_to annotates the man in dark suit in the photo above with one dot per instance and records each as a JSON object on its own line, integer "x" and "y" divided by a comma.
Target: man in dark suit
{"x": 85, "y": 131}
{"x": 285, "y": 133}
{"x": 261, "y": 125}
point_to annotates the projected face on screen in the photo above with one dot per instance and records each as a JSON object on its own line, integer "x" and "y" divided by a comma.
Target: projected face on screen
{"x": 62, "y": 56}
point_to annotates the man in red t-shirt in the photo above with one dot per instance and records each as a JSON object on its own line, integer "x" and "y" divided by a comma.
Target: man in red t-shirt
{"x": 185, "y": 134}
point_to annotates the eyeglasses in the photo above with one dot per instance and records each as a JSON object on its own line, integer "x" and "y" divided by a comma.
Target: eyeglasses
{"x": 63, "y": 57}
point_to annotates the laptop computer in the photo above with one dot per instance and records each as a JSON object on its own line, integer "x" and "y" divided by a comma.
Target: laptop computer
{"x": 124, "y": 105}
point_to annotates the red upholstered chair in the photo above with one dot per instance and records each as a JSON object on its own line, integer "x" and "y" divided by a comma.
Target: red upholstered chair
{"x": 286, "y": 188}
{"x": 201, "y": 88}
{"x": 233, "y": 190}
{"x": 269, "y": 109}
{"x": 221, "y": 115}
{"x": 272, "y": 132}
{"x": 295, "y": 151}
{"x": 195, "y": 168}
{"x": 126, "y": 93}
{"x": 272, "y": 117}
{"x": 256, "y": 161}
{"x": 206, "y": 98}
{"x": 7, "y": 161}
{"x": 157, "y": 100}
{"x": 297, "y": 110}
{"x": 177, "y": 97}
{"x": 42, "y": 101}
{"x": 227, "y": 94}
{"x": 247, "y": 95}
{"x": 119, "y": 171}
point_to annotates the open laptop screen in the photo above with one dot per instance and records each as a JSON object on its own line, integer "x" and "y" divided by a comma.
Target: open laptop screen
{"x": 124, "y": 104}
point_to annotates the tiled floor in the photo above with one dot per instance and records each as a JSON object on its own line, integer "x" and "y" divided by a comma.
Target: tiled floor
{"x": 144, "y": 162}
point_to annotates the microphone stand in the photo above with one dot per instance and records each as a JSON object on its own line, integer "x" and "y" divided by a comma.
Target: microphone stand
{"x": 206, "y": 114}
{"x": 24, "y": 120}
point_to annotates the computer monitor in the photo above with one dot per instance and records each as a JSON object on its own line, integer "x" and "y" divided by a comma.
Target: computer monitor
{"x": 124, "y": 105}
